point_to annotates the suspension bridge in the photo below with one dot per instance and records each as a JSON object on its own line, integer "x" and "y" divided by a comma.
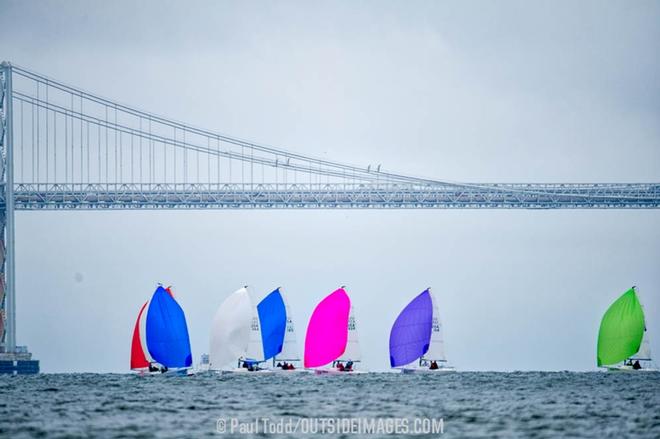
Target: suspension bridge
{"x": 67, "y": 149}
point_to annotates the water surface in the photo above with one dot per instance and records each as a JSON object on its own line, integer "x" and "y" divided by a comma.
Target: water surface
{"x": 478, "y": 404}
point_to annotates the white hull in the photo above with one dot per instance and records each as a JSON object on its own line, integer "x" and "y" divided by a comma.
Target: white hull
{"x": 242, "y": 370}
{"x": 338, "y": 372}
{"x": 170, "y": 372}
{"x": 417, "y": 370}
{"x": 629, "y": 369}
{"x": 287, "y": 371}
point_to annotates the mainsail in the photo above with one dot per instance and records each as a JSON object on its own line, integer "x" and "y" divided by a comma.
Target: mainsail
{"x": 621, "y": 330}
{"x": 273, "y": 319}
{"x": 436, "y": 351}
{"x": 230, "y": 330}
{"x": 255, "y": 347}
{"x": 327, "y": 333}
{"x": 166, "y": 331}
{"x": 644, "y": 353}
{"x": 352, "y": 351}
{"x": 411, "y": 333}
{"x": 289, "y": 350}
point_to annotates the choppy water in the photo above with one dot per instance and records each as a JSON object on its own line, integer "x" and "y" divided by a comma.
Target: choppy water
{"x": 471, "y": 404}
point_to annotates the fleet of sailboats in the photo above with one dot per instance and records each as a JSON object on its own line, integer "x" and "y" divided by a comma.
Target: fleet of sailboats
{"x": 261, "y": 338}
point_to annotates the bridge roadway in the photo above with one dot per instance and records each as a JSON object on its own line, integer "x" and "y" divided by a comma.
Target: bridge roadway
{"x": 74, "y": 196}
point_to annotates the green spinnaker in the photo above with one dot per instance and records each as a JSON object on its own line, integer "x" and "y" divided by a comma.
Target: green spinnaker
{"x": 621, "y": 329}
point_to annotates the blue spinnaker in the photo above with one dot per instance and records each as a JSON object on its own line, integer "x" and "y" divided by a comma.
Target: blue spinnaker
{"x": 272, "y": 317}
{"x": 411, "y": 333}
{"x": 167, "y": 333}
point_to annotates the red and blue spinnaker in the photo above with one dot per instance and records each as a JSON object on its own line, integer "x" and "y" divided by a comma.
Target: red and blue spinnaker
{"x": 167, "y": 332}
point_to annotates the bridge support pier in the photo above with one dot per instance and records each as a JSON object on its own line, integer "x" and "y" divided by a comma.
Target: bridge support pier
{"x": 12, "y": 358}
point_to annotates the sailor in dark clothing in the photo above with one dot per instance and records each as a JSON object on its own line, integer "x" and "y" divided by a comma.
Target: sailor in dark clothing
{"x": 636, "y": 365}
{"x": 349, "y": 366}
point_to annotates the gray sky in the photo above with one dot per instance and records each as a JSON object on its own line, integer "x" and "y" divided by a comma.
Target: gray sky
{"x": 465, "y": 91}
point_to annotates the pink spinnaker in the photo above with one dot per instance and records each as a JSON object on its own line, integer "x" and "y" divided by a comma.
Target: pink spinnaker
{"x": 327, "y": 332}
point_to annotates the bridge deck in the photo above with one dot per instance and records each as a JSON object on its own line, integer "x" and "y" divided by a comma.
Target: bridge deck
{"x": 338, "y": 195}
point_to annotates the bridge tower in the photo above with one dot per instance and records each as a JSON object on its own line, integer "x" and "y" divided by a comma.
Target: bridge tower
{"x": 12, "y": 358}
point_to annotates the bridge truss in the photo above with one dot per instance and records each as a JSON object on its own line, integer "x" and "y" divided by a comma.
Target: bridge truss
{"x": 65, "y": 148}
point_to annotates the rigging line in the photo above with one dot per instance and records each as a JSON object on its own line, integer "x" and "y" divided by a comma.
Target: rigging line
{"x": 197, "y": 177}
{"x": 164, "y": 162}
{"x": 73, "y": 146}
{"x": 47, "y": 136}
{"x": 132, "y": 158}
{"x": 116, "y": 156}
{"x": 109, "y": 125}
{"x": 22, "y": 143}
{"x": 141, "y": 178}
{"x": 55, "y": 146}
{"x": 66, "y": 148}
{"x": 228, "y": 139}
{"x": 88, "y": 153}
{"x": 38, "y": 136}
{"x": 57, "y": 84}
{"x": 502, "y": 187}
{"x": 174, "y": 149}
{"x": 107, "y": 157}
{"x": 151, "y": 175}
{"x": 98, "y": 147}
{"x": 32, "y": 142}
{"x": 185, "y": 159}
{"x": 81, "y": 144}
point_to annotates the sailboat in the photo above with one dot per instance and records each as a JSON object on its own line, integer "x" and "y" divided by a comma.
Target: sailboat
{"x": 416, "y": 342}
{"x": 160, "y": 342}
{"x": 623, "y": 341}
{"x": 278, "y": 332}
{"x": 332, "y": 338}
{"x": 233, "y": 329}
{"x": 247, "y": 336}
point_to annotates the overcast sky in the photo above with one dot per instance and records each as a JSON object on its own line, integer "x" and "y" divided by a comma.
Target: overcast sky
{"x": 464, "y": 91}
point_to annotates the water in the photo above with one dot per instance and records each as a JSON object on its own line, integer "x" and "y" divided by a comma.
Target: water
{"x": 530, "y": 404}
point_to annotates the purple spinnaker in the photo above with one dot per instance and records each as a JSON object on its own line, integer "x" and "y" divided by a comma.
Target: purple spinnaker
{"x": 411, "y": 332}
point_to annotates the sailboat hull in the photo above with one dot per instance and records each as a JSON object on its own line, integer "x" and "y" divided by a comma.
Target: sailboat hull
{"x": 286, "y": 371}
{"x": 338, "y": 372}
{"x": 629, "y": 369}
{"x": 168, "y": 373}
{"x": 243, "y": 371}
{"x": 427, "y": 371}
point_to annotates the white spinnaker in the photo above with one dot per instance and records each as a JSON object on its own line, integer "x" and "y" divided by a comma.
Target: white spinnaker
{"x": 352, "y": 351}
{"x": 143, "y": 333}
{"x": 290, "y": 343}
{"x": 230, "y": 330}
{"x": 437, "y": 344}
{"x": 255, "y": 348}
